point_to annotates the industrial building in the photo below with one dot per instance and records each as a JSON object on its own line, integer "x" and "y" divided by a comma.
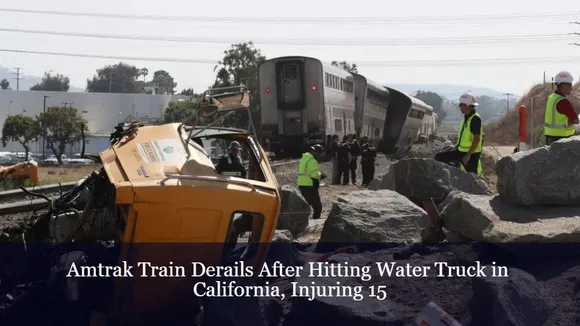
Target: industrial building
{"x": 102, "y": 111}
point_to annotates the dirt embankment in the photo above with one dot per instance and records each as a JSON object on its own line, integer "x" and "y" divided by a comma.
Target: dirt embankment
{"x": 504, "y": 131}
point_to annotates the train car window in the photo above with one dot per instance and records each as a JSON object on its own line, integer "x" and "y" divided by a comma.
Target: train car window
{"x": 337, "y": 125}
{"x": 326, "y": 79}
{"x": 290, "y": 71}
{"x": 377, "y": 132}
{"x": 421, "y": 115}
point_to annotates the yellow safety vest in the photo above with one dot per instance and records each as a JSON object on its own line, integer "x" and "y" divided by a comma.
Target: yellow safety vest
{"x": 555, "y": 123}
{"x": 465, "y": 136}
{"x": 307, "y": 170}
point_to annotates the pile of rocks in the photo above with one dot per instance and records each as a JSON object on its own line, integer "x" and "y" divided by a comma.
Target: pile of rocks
{"x": 540, "y": 287}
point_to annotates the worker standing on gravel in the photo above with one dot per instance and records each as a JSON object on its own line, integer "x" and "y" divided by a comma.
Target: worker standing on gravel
{"x": 354, "y": 154}
{"x": 343, "y": 157}
{"x": 560, "y": 116}
{"x": 309, "y": 177}
{"x": 334, "y": 160}
{"x": 469, "y": 145}
{"x": 367, "y": 162}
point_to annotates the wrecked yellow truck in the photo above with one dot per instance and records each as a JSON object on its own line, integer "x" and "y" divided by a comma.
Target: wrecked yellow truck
{"x": 158, "y": 201}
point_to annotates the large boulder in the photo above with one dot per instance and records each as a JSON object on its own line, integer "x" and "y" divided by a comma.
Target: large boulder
{"x": 548, "y": 175}
{"x": 516, "y": 300}
{"x": 516, "y": 228}
{"x": 295, "y": 211}
{"x": 373, "y": 216}
{"x": 419, "y": 179}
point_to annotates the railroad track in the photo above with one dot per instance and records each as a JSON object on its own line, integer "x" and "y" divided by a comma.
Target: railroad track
{"x": 17, "y": 201}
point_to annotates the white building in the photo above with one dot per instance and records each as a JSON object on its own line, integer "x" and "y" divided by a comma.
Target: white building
{"x": 102, "y": 111}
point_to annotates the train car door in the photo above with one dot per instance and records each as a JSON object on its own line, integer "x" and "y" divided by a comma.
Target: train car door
{"x": 291, "y": 83}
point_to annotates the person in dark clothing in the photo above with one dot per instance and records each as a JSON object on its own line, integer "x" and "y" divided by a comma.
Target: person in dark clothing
{"x": 334, "y": 160}
{"x": 368, "y": 157}
{"x": 231, "y": 164}
{"x": 355, "y": 151}
{"x": 343, "y": 157}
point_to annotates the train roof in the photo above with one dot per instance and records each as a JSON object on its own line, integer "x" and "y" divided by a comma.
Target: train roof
{"x": 413, "y": 101}
{"x": 419, "y": 103}
{"x": 374, "y": 85}
{"x": 339, "y": 72}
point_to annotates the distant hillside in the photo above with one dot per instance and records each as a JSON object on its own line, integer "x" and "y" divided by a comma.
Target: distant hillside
{"x": 26, "y": 81}
{"x": 449, "y": 91}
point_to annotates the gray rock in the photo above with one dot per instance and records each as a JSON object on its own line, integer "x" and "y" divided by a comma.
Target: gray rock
{"x": 295, "y": 211}
{"x": 517, "y": 300}
{"x": 373, "y": 216}
{"x": 487, "y": 219}
{"x": 419, "y": 179}
{"x": 546, "y": 175}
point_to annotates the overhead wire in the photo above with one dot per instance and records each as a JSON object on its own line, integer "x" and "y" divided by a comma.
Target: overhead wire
{"x": 509, "y": 39}
{"x": 471, "y": 19}
{"x": 406, "y": 63}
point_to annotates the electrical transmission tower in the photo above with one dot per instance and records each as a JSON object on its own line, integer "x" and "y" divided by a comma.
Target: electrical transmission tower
{"x": 17, "y": 73}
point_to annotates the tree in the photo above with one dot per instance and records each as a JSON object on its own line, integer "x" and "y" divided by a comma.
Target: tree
{"x": 118, "y": 78}
{"x": 240, "y": 66}
{"x": 144, "y": 72}
{"x": 53, "y": 83}
{"x": 61, "y": 126}
{"x": 4, "y": 84}
{"x": 163, "y": 82}
{"x": 434, "y": 100}
{"x": 22, "y": 129}
{"x": 350, "y": 67}
{"x": 180, "y": 111}
{"x": 187, "y": 91}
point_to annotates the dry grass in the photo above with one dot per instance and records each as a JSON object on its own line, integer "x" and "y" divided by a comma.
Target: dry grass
{"x": 56, "y": 174}
{"x": 504, "y": 131}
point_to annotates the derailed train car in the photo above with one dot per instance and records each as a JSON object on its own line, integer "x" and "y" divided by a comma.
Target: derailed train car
{"x": 372, "y": 101}
{"x": 405, "y": 115}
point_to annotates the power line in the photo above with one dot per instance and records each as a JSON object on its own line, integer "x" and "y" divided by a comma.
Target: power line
{"x": 470, "y": 41}
{"x": 407, "y": 63}
{"x": 334, "y": 20}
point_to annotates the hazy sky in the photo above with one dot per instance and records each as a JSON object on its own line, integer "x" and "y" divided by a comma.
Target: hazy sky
{"x": 515, "y": 78}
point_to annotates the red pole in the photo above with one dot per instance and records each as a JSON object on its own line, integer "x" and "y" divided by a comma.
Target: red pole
{"x": 522, "y": 138}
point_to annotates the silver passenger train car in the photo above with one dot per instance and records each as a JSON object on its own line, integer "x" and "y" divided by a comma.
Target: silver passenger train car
{"x": 372, "y": 101}
{"x": 404, "y": 120}
{"x": 304, "y": 101}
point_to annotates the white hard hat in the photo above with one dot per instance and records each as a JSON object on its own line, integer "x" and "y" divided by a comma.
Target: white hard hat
{"x": 468, "y": 99}
{"x": 564, "y": 77}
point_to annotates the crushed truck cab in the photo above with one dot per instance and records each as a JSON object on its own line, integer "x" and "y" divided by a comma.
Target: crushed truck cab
{"x": 159, "y": 201}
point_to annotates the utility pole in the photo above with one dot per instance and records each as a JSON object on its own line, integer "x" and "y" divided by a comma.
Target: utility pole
{"x": 17, "y": 73}
{"x": 43, "y": 138}
{"x": 508, "y": 100}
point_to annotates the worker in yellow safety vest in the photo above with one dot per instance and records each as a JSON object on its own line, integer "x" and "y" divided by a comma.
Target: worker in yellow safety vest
{"x": 309, "y": 177}
{"x": 560, "y": 116}
{"x": 467, "y": 151}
